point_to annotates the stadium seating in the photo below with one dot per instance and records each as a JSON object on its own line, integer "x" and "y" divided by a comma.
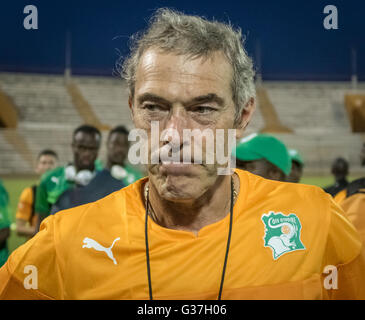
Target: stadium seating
{"x": 311, "y": 106}
{"x": 41, "y": 99}
{"x": 83, "y": 106}
{"x": 314, "y": 111}
{"x": 109, "y": 98}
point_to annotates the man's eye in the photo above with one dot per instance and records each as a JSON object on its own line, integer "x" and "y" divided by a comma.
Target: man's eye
{"x": 203, "y": 109}
{"x": 152, "y": 107}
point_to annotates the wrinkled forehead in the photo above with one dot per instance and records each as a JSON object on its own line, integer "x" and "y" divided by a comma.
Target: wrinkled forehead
{"x": 169, "y": 69}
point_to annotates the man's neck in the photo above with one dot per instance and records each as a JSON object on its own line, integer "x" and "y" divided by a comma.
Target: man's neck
{"x": 213, "y": 206}
{"x": 341, "y": 180}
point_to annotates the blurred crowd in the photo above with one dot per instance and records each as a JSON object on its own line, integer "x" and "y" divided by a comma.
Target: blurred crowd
{"x": 86, "y": 179}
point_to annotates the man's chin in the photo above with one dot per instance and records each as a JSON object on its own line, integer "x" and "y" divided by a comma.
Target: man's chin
{"x": 178, "y": 188}
{"x": 182, "y": 182}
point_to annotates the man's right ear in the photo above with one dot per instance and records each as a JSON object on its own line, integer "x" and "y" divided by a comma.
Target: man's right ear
{"x": 245, "y": 118}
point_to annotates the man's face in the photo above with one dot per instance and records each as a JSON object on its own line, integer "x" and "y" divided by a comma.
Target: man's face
{"x": 45, "y": 162}
{"x": 295, "y": 173}
{"x": 181, "y": 93}
{"x": 339, "y": 169}
{"x": 261, "y": 168}
{"x": 85, "y": 147}
{"x": 117, "y": 146}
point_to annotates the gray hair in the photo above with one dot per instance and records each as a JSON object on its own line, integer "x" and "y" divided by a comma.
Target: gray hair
{"x": 172, "y": 31}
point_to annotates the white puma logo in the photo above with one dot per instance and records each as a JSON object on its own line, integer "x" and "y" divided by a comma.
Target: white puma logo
{"x": 90, "y": 243}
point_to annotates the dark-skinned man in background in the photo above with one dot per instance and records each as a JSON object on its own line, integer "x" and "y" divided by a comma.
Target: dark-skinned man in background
{"x": 112, "y": 178}
{"x": 117, "y": 149}
{"x": 340, "y": 171}
{"x": 85, "y": 145}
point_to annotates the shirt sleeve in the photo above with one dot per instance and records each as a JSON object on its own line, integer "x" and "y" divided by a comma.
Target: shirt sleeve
{"x": 344, "y": 261}
{"x": 25, "y": 204}
{"x": 42, "y": 206}
{"x": 339, "y": 197}
{"x": 33, "y": 270}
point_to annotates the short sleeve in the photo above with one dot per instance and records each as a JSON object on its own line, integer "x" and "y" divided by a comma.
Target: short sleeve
{"x": 339, "y": 197}
{"x": 37, "y": 258}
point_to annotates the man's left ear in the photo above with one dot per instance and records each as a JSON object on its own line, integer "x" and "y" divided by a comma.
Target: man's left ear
{"x": 130, "y": 103}
{"x": 245, "y": 117}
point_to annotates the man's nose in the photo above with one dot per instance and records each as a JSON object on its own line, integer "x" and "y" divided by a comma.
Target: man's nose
{"x": 175, "y": 125}
{"x": 88, "y": 153}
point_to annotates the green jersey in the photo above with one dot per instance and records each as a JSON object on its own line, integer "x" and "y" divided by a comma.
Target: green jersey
{"x": 4, "y": 221}
{"x": 53, "y": 184}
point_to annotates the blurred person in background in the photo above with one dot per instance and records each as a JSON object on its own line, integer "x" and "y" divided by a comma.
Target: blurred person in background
{"x": 4, "y": 224}
{"x": 297, "y": 166}
{"x": 117, "y": 148}
{"x": 340, "y": 171}
{"x": 112, "y": 178}
{"x": 85, "y": 145}
{"x": 26, "y": 220}
{"x": 352, "y": 199}
{"x": 263, "y": 155}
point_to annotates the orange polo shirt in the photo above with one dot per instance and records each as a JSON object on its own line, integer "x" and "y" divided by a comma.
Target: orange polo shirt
{"x": 339, "y": 197}
{"x": 283, "y": 237}
{"x": 354, "y": 208}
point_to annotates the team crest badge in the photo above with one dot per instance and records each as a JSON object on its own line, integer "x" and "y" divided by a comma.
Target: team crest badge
{"x": 282, "y": 233}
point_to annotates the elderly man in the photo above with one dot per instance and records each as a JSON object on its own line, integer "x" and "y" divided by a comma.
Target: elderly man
{"x": 185, "y": 231}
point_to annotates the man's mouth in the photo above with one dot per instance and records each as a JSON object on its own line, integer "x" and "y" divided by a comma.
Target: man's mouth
{"x": 177, "y": 169}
